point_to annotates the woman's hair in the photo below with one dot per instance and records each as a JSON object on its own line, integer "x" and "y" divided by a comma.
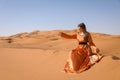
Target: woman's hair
{"x": 82, "y": 25}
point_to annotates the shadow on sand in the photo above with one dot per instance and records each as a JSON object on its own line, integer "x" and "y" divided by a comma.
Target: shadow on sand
{"x": 115, "y": 58}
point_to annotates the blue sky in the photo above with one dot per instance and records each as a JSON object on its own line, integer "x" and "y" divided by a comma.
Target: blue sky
{"x": 18, "y": 16}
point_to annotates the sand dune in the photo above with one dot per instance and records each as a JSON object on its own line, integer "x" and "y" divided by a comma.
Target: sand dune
{"x": 41, "y": 55}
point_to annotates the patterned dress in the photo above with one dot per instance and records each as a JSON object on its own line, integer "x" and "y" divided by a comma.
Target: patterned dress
{"x": 81, "y": 58}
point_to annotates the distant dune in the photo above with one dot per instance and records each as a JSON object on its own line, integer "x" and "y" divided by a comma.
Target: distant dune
{"x": 41, "y": 55}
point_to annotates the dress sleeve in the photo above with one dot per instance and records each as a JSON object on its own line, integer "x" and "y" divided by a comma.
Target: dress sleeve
{"x": 74, "y": 36}
{"x": 90, "y": 41}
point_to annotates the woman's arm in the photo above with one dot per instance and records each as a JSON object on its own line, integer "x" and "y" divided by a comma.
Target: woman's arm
{"x": 91, "y": 43}
{"x": 68, "y": 36}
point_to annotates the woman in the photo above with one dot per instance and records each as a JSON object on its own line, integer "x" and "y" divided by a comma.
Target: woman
{"x": 81, "y": 58}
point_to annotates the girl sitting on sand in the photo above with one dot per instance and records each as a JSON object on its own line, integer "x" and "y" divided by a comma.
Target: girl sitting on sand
{"x": 81, "y": 58}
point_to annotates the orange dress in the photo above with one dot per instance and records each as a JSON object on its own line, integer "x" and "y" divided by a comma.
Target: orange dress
{"x": 80, "y": 58}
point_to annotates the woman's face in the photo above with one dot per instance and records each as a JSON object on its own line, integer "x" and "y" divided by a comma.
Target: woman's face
{"x": 80, "y": 29}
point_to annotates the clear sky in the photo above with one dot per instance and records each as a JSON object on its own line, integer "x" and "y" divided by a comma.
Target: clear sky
{"x": 18, "y": 16}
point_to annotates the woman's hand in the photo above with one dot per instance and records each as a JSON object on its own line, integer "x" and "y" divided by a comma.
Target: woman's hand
{"x": 97, "y": 50}
{"x": 64, "y": 35}
{"x": 61, "y": 34}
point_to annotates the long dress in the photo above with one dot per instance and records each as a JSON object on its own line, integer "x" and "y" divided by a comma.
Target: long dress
{"x": 81, "y": 58}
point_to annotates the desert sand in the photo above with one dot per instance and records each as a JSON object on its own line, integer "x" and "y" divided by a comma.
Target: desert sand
{"x": 41, "y": 55}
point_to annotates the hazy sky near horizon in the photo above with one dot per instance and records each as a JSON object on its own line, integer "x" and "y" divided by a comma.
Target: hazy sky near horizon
{"x": 18, "y": 16}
